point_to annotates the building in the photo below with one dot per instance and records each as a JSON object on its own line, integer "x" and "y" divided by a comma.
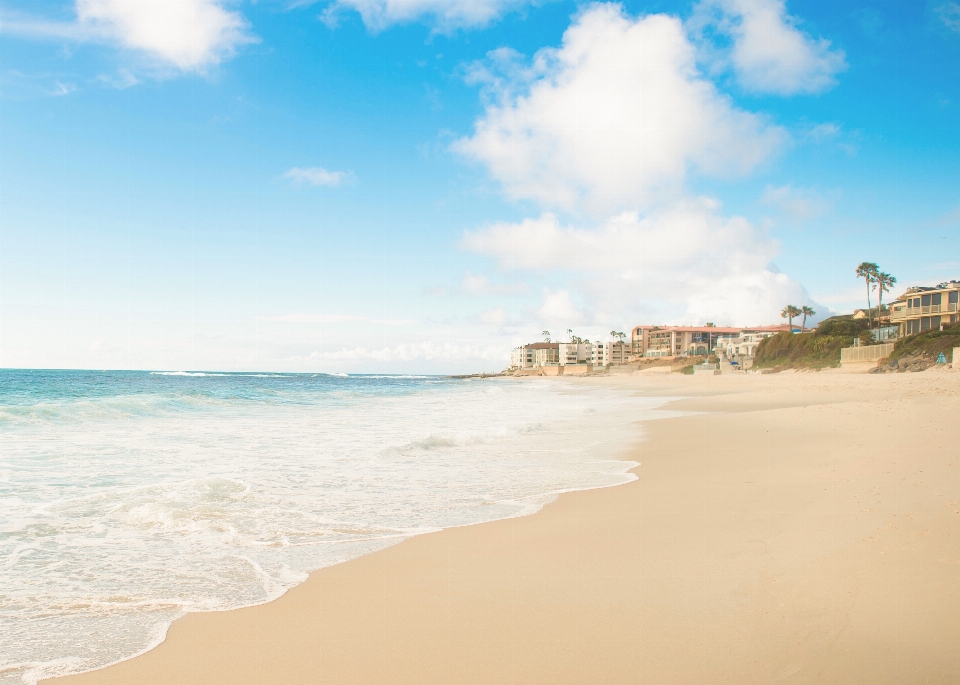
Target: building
{"x": 676, "y": 341}
{"x": 926, "y": 308}
{"x": 535, "y": 354}
{"x": 551, "y": 354}
{"x": 571, "y": 354}
{"x": 611, "y": 353}
{"x": 743, "y": 345}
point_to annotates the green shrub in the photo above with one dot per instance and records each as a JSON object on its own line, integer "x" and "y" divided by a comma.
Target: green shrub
{"x": 842, "y": 325}
{"x": 928, "y": 344}
{"x": 800, "y": 350}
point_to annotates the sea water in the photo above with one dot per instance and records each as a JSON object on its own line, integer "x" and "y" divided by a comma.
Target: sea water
{"x": 130, "y": 498}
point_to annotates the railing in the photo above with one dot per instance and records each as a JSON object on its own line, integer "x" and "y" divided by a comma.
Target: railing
{"x": 867, "y": 353}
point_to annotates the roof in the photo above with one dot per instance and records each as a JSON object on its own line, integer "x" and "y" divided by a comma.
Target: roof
{"x": 775, "y": 328}
{"x": 543, "y": 346}
{"x": 947, "y": 285}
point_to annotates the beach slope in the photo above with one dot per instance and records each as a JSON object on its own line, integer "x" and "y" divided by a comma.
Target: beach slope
{"x": 805, "y": 529}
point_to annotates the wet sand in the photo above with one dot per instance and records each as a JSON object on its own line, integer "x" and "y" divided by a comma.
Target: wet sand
{"x": 806, "y": 529}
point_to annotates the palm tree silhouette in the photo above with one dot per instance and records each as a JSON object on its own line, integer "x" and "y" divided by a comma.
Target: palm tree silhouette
{"x": 546, "y": 335}
{"x": 884, "y": 283}
{"x": 868, "y": 271}
{"x": 788, "y": 313}
{"x": 806, "y": 311}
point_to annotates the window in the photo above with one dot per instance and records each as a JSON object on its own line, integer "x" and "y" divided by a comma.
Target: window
{"x": 925, "y": 323}
{"x": 936, "y": 298}
{"x": 925, "y": 300}
{"x": 909, "y": 304}
{"x": 953, "y": 297}
{"x": 935, "y": 323}
{"x": 916, "y": 302}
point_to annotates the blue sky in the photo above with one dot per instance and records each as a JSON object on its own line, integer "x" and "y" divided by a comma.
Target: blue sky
{"x": 419, "y": 185}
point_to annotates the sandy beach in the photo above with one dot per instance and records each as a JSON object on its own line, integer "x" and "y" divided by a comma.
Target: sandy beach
{"x": 797, "y": 528}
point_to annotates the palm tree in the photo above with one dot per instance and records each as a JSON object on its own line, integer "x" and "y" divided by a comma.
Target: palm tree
{"x": 788, "y": 313}
{"x": 806, "y": 311}
{"x": 868, "y": 271}
{"x": 546, "y": 336}
{"x": 884, "y": 283}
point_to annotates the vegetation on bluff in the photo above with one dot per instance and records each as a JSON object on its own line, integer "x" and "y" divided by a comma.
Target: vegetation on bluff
{"x": 801, "y": 350}
{"x": 918, "y": 352}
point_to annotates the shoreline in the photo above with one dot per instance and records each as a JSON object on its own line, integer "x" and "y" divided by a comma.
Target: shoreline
{"x": 448, "y": 606}
{"x": 617, "y": 465}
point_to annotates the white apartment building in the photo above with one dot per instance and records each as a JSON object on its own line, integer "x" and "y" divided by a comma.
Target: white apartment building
{"x": 535, "y": 354}
{"x": 611, "y": 353}
{"x": 551, "y": 354}
{"x": 575, "y": 353}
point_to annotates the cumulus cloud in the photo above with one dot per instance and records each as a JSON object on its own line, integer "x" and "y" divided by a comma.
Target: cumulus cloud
{"x": 614, "y": 118}
{"x": 769, "y": 53}
{"x": 558, "y": 307}
{"x": 446, "y": 15}
{"x": 315, "y": 176}
{"x": 190, "y": 35}
{"x": 705, "y": 267}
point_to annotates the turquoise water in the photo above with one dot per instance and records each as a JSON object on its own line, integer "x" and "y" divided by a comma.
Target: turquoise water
{"x": 129, "y": 498}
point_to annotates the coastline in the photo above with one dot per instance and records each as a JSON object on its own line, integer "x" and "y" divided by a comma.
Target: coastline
{"x": 834, "y": 562}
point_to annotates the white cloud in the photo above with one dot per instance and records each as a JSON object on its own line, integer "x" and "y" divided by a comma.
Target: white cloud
{"x": 190, "y": 35}
{"x": 558, "y": 308}
{"x": 124, "y": 79}
{"x": 614, "y": 118}
{"x": 474, "y": 284}
{"x": 949, "y": 13}
{"x": 495, "y": 317}
{"x": 428, "y": 350}
{"x": 337, "y": 318}
{"x": 316, "y": 318}
{"x": 797, "y": 203}
{"x": 446, "y": 15}
{"x": 316, "y": 176}
{"x": 770, "y": 54}
{"x": 704, "y": 267}
{"x": 62, "y": 88}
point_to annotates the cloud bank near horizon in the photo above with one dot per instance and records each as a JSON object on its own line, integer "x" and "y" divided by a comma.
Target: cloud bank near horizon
{"x": 612, "y": 125}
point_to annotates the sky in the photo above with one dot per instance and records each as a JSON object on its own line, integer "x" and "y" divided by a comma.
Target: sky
{"x": 417, "y": 186}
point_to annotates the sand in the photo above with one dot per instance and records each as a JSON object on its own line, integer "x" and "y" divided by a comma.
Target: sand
{"x": 806, "y": 530}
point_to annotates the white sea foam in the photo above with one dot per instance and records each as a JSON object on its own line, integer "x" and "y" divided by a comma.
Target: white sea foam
{"x": 123, "y": 511}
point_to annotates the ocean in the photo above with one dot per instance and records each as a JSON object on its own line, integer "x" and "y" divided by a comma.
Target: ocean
{"x": 129, "y": 498}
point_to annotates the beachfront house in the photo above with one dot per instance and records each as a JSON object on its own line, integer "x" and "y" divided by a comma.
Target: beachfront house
{"x": 678, "y": 341}
{"x": 744, "y": 345}
{"x": 924, "y": 309}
